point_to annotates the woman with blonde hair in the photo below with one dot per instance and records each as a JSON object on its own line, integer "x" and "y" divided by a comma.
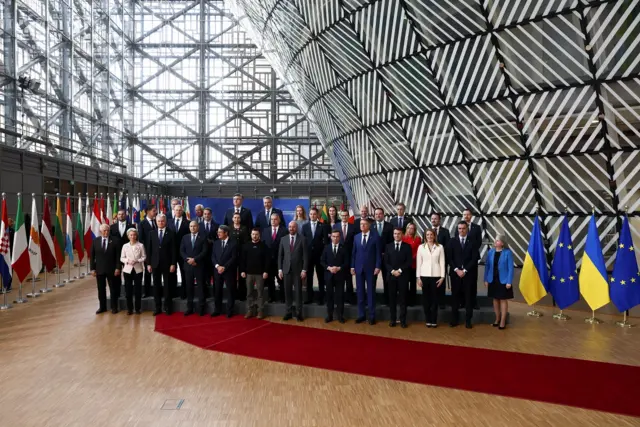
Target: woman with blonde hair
{"x": 301, "y": 217}
{"x": 498, "y": 277}
{"x": 430, "y": 271}
{"x": 411, "y": 237}
{"x": 132, "y": 257}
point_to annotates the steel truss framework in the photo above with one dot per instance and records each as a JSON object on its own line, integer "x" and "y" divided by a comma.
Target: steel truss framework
{"x": 166, "y": 90}
{"x": 509, "y": 107}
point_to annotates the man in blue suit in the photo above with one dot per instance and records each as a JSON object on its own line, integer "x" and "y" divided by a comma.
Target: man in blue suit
{"x": 194, "y": 250}
{"x": 263, "y": 220}
{"x": 365, "y": 265}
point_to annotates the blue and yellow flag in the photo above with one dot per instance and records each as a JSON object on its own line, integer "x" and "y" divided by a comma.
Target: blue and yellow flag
{"x": 593, "y": 272}
{"x": 563, "y": 283}
{"x": 534, "y": 277}
{"x": 624, "y": 285}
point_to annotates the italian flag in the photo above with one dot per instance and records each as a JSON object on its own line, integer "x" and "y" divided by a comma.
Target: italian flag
{"x": 20, "y": 257}
{"x": 58, "y": 235}
{"x": 35, "y": 256}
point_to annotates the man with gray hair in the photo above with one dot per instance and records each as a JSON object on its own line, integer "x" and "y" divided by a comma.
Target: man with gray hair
{"x": 199, "y": 213}
{"x": 263, "y": 220}
{"x": 105, "y": 267}
{"x": 161, "y": 263}
{"x": 224, "y": 258}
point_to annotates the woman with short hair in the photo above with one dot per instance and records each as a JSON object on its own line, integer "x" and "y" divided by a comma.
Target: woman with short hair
{"x": 132, "y": 257}
{"x": 498, "y": 278}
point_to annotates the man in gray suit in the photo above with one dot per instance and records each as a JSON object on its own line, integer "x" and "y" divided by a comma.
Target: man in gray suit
{"x": 292, "y": 258}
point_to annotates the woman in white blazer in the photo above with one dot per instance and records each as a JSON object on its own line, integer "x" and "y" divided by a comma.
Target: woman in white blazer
{"x": 430, "y": 272}
{"x": 132, "y": 258}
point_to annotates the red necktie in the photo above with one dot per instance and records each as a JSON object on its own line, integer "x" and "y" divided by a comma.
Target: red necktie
{"x": 291, "y": 245}
{"x": 273, "y": 236}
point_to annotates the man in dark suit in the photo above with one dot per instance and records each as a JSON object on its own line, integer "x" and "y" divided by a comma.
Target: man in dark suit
{"x": 118, "y": 233}
{"x": 385, "y": 230}
{"x": 292, "y": 261}
{"x": 401, "y": 220}
{"x": 365, "y": 265}
{"x": 398, "y": 259}
{"x": 209, "y": 230}
{"x": 171, "y": 212}
{"x": 246, "y": 218}
{"x": 364, "y": 213}
{"x": 263, "y": 219}
{"x": 335, "y": 261}
{"x": 145, "y": 228}
{"x": 442, "y": 236}
{"x": 179, "y": 225}
{"x": 105, "y": 267}
{"x": 199, "y": 217}
{"x": 315, "y": 235}
{"x": 194, "y": 249}
{"x": 161, "y": 262}
{"x": 224, "y": 258}
{"x": 347, "y": 234}
{"x": 463, "y": 268}
{"x": 475, "y": 235}
{"x": 271, "y": 236}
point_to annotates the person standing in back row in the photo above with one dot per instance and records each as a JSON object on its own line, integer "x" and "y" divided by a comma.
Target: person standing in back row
{"x": 246, "y": 218}
{"x": 144, "y": 229}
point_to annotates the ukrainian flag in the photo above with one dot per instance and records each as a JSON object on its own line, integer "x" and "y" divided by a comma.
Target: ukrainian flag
{"x": 594, "y": 286}
{"x": 534, "y": 278}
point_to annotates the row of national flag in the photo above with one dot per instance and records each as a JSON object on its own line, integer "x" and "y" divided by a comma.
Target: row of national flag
{"x": 564, "y": 282}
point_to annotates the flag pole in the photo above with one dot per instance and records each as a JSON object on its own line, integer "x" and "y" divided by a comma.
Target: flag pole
{"x": 33, "y": 293}
{"x": 46, "y": 289}
{"x": 80, "y": 237}
{"x": 59, "y": 283}
{"x": 593, "y": 320}
{"x": 69, "y": 279}
{"x": 5, "y": 305}
{"x": 624, "y": 323}
{"x": 561, "y": 316}
{"x": 534, "y": 312}
{"x": 20, "y": 300}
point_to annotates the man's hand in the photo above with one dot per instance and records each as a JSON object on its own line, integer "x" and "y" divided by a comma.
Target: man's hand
{"x": 353, "y": 271}
{"x": 265, "y": 276}
{"x": 303, "y": 275}
{"x": 149, "y": 268}
{"x": 280, "y": 275}
{"x": 243, "y": 275}
{"x": 376, "y": 271}
{"x": 93, "y": 272}
{"x": 172, "y": 269}
{"x": 508, "y": 285}
{"x": 117, "y": 273}
{"x": 460, "y": 273}
{"x": 486, "y": 284}
{"x": 220, "y": 269}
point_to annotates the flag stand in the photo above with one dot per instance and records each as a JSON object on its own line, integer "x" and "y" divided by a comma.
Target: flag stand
{"x": 534, "y": 312}
{"x": 80, "y": 275}
{"x": 593, "y": 320}
{"x": 46, "y": 289}
{"x": 624, "y": 323}
{"x": 69, "y": 279}
{"x": 20, "y": 300}
{"x": 58, "y": 284}
{"x": 33, "y": 293}
{"x": 5, "y": 305}
{"x": 561, "y": 316}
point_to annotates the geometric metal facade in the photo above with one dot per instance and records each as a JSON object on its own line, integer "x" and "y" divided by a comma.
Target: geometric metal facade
{"x": 507, "y": 107}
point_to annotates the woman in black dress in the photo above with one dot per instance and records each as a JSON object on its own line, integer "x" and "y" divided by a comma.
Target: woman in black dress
{"x": 498, "y": 277}
{"x": 240, "y": 234}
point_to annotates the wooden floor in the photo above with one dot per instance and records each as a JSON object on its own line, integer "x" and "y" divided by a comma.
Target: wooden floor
{"x": 61, "y": 365}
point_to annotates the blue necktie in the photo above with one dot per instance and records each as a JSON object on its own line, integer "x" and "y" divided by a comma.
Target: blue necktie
{"x": 160, "y": 237}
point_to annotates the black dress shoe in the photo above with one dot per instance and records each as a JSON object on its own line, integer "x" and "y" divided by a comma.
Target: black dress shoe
{"x": 392, "y": 324}
{"x": 188, "y": 313}
{"x": 157, "y": 312}
{"x": 372, "y": 322}
{"x": 468, "y": 325}
{"x": 360, "y": 320}
{"x": 138, "y": 312}
{"x": 476, "y": 306}
{"x": 328, "y": 319}
{"x": 215, "y": 314}
{"x": 201, "y": 312}
{"x": 453, "y": 324}
{"x": 115, "y": 311}
{"x": 442, "y": 307}
{"x": 502, "y": 327}
{"x": 403, "y": 325}
{"x": 299, "y": 318}
{"x": 129, "y": 313}
{"x": 287, "y": 316}
{"x": 495, "y": 325}
{"x": 341, "y": 320}
{"x": 101, "y": 310}
{"x": 229, "y": 315}
{"x": 169, "y": 312}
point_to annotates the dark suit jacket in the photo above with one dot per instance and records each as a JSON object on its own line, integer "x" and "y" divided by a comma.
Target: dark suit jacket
{"x": 366, "y": 258}
{"x": 246, "y": 218}
{"x": 105, "y": 262}
{"x": 351, "y": 233}
{"x": 162, "y": 255}
{"x": 273, "y": 245}
{"x": 114, "y": 232}
{"x": 228, "y": 258}
{"x": 296, "y": 261}
{"x": 406, "y": 220}
{"x": 395, "y": 260}
{"x": 341, "y": 259}
{"x": 183, "y": 231}
{"x": 317, "y": 242}
{"x": 387, "y": 232}
{"x": 443, "y": 236}
{"x": 213, "y": 232}
{"x": 240, "y": 237}
{"x": 475, "y": 235}
{"x": 198, "y": 252}
{"x": 462, "y": 258}
{"x": 356, "y": 223}
{"x": 263, "y": 222}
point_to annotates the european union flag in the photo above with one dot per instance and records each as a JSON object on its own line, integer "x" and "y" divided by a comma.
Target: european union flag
{"x": 563, "y": 283}
{"x": 624, "y": 285}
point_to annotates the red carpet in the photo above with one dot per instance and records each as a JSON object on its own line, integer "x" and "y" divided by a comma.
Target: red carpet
{"x": 574, "y": 382}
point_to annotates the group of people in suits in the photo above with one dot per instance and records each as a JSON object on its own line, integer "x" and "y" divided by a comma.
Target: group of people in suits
{"x": 248, "y": 260}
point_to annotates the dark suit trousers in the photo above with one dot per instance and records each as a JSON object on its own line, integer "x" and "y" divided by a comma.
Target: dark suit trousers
{"x": 193, "y": 275}
{"x": 114, "y": 290}
{"x": 398, "y": 288}
{"x": 314, "y": 265}
{"x": 242, "y": 287}
{"x": 270, "y": 283}
{"x": 461, "y": 292}
{"x": 335, "y": 294}
{"x": 430, "y": 293}
{"x": 411, "y": 296}
{"x": 473, "y": 294}
{"x": 442, "y": 291}
{"x": 161, "y": 275}
{"x": 370, "y": 293}
{"x": 292, "y": 280}
{"x": 133, "y": 289}
{"x": 350, "y": 292}
{"x": 182, "y": 291}
{"x": 228, "y": 278}
{"x": 147, "y": 283}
